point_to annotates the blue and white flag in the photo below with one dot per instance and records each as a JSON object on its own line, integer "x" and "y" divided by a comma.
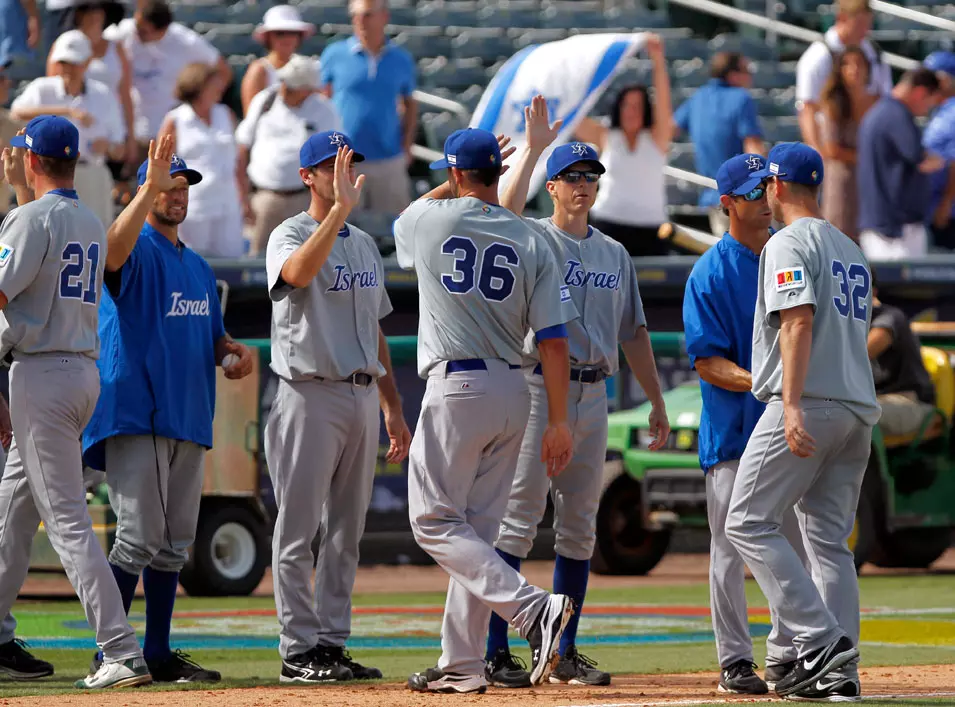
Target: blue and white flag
{"x": 570, "y": 73}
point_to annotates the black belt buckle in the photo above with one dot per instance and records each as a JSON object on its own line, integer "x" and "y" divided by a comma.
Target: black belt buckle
{"x": 362, "y": 379}
{"x": 587, "y": 375}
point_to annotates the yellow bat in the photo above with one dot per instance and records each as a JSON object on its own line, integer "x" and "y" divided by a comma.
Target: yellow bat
{"x": 686, "y": 238}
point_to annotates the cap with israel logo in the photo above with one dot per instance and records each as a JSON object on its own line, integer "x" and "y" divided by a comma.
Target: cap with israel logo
{"x": 323, "y": 146}
{"x": 793, "y": 162}
{"x": 739, "y": 175}
{"x": 177, "y": 166}
{"x": 50, "y": 136}
{"x": 470, "y": 148}
{"x": 565, "y": 156}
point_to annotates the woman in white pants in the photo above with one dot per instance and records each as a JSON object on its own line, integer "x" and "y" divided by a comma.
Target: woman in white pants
{"x": 202, "y": 129}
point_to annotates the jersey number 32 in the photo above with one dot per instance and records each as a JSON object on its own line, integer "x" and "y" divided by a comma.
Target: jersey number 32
{"x": 854, "y": 284}
{"x": 78, "y": 274}
{"x": 496, "y": 280}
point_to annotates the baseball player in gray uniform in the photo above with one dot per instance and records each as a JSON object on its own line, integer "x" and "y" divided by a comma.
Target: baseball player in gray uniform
{"x": 326, "y": 281}
{"x": 603, "y": 286}
{"x": 811, "y": 445}
{"x": 484, "y": 280}
{"x": 52, "y": 256}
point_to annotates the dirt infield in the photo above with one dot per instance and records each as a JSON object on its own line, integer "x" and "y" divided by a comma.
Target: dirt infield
{"x": 921, "y": 681}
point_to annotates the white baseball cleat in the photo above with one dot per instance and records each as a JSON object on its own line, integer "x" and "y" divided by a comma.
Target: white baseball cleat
{"x": 127, "y": 673}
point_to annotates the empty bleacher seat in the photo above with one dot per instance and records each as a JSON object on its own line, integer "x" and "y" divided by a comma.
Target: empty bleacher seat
{"x": 459, "y": 13}
{"x": 685, "y": 49}
{"x": 689, "y": 74}
{"x": 437, "y": 129}
{"x": 191, "y": 14}
{"x": 471, "y": 96}
{"x": 573, "y": 15}
{"x": 322, "y": 13}
{"x": 782, "y": 129}
{"x": 453, "y": 73}
{"x": 636, "y": 18}
{"x": 241, "y": 13}
{"x": 518, "y": 13}
{"x": 752, "y": 48}
{"x": 488, "y": 45}
{"x": 680, "y": 193}
{"x": 524, "y": 38}
{"x": 425, "y": 44}
{"x": 767, "y": 75}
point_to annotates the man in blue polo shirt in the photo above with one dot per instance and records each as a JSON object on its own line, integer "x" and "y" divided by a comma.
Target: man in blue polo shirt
{"x": 722, "y": 121}
{"x": 939, "y": 137}
{"x": 367, "y": 77}
{"x": 718, "y": 309}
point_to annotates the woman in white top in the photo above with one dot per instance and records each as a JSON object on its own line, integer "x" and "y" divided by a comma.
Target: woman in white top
{"x": 109, "y": 65}
{"x": 282, "y": 32}
{"x": 202, "y": 130}
{"x": 631, "y": 203}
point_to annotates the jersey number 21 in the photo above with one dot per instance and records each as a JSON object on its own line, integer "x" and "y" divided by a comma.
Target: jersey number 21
{"x": 78, "y": 274}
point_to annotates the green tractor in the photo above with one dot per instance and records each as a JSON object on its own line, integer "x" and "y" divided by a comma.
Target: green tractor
{"x": 906, "y": 511}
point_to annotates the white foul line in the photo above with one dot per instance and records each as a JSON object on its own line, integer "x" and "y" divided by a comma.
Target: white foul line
{"x": 765, "y": 700}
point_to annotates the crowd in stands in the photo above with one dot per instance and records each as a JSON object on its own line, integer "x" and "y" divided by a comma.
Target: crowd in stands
{"x": 889, "y": 177}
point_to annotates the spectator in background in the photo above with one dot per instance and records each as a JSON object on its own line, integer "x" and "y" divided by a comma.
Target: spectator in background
{"x": 722, "y": 121}
{"x": 939, "y": 138}
{"x": 893, "y": 169}
{"x": 158, "y": 49}
{"x": 8, "y": 128}
{"x": 852, "y": 25}
{"x": 631, "y": 202}
{"x": 279, "y": 121}
{"x": 90, "y": 106}
{"x": 282, "y": 32}
{"x": 368, "y": 77}
{"x": 203, "y": 135}
{"x": 19, "y": 28}
{"x": 845, "y": 100}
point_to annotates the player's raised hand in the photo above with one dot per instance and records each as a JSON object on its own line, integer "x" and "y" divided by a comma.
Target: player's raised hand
{"x": 655, "y": 46}
{"x": 399, "y": 437}
{"x": 659, "y": 427}
{"x": 502, "y": 142}
{"x": 557, "y": 447}
{"x": 160, "y": 161}
{"x": 540, "y": 132}
{"x": 347, "y": 193}
{"x": 799, "y": 440}
{"x": 13, "y": 170}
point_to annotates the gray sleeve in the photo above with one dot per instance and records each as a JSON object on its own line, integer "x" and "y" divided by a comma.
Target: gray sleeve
{"x": 282, "y": 243}
{"x": 404, "y": 232}
{"x": 787, "y": 280}
{"x": 550, "y": 303}
{"x": 24, "y": 242}
{"x": 384, "y": 304}
{"x": 633, "y": 317}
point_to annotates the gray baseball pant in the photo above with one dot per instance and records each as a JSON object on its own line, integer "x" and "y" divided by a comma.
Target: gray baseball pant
{"x": 52, "y": 397}
{"x": 155, "y": 487}
{"x": 321, "y": 444}
{"x": 462, "y": 463}
{"x": 826, "y": 486}
{"x": 575, "y": 490}
{"x": 728, "y": 578}
{"x": 19, "y": 521}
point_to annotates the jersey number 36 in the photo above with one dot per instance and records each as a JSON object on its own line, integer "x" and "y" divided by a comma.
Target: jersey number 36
{"x": 78, "y": 274}
{"x": 496, "y": 280}
{"x": 854, "y": 284}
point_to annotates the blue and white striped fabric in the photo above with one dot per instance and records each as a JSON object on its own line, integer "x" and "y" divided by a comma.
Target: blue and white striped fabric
{"x": 570, "y": 73}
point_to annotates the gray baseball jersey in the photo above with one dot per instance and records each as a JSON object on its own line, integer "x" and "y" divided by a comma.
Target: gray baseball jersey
{"x": 52, "y": 256}
{"x": 328, "y": 329}
{"x": 602, "y": 282}
{"x": 484, "y": 279}
{"x": 812, "y": 262}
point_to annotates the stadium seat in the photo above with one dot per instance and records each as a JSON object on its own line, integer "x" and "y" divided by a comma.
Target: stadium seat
{"x": 689, "y": 48}
{"x": 191, "y": 14}
{"x": 488, "y": 45}
{"x": 752, "y": 48}
{"x": 421, "y": 44}
{"x": 403, "y": 15}
{"x": 438, "y": 128}
{"x": 689, "y": 74}
{"x": 635, "y": 18}
{"x": 524, "y": 38}
{"x": 458, "y": 13}
{"x": 767, "y": 75}
{"x": 574, "y": 14}
{"x": 680, "y": 193}
{"x": 456, "y": 74}
{"x": 471, "y": 96}
{"x": 517, "y": 13}
{"x": 320, "y": 13}
{"x": 231, "y": 44}
{"x": 782, "y": 130}
{"x": 241, "y": 13}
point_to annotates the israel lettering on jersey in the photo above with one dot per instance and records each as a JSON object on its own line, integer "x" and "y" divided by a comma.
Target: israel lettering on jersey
{"x": 570, "y": 73}
{"x": 181, "y": 307}
{"x": 345, "y": 280}
{"x": 576, "y": 276}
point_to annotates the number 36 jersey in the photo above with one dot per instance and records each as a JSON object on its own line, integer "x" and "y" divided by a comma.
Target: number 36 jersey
{"x": 812, "y": 262}
{"x": 52, "y": 255}
{"x": 484, "y": 279}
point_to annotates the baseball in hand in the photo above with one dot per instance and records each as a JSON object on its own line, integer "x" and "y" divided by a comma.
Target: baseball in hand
{"x": 230, "y": 360}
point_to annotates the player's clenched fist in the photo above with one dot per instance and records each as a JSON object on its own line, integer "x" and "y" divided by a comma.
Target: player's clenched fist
{"x": 557, "y": 448}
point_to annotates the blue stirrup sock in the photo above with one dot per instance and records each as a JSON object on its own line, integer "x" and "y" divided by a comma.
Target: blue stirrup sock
{"x": 497, "y": 627}
{"x": 127, "y": 584}
{"x": 160, "y": 588}
{"x": 570, "y": 579}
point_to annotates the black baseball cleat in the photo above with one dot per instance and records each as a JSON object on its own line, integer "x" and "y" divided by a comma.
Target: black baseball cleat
{"x": 506, "y": 670}
{"x": 310, "y": 668}
{"x": 833, "y": 687}
{"x": 576, "y": 669}
{"x": 775, "y": 673}
{"x": 740, "y": 678}
{"x": 817, "y": 664}
{"x": 436, "y": 680}
{"x": 337, "y": 655}
{"x": 544, "y": 636}
{"x": 178, "y": 667}
{"x": 18, "y": 663}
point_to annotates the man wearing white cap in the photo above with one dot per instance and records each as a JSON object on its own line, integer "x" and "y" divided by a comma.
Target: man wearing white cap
{"x": 281, "y": 33}
{"x": 279, "y": 120}
{"x": 90, "y": 106}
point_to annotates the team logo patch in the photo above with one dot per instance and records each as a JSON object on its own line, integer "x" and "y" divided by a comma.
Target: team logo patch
{"x": 579, "y": 149}
{"x": 5, "y": 253}
{"x": 67, "y": 150}
{"x": 337, "y": 139}
{"x": 486, "y": 209}
{"x": 791, "y": 279}
{"x": 564, "y": 293}
{"x": 754, "y": 163}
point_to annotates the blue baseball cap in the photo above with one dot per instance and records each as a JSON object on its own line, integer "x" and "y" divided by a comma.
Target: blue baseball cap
{"x": 50, "y": 136}
{"x": 470, "y": 148}
{"x": 941, "y": 62}
{"x": 793, "y": 162}
{"x": 570, "y": 154}
{"x": 735, "y": 176}
{"x": 323, "y": 146}
{"x": 177, "y": 165}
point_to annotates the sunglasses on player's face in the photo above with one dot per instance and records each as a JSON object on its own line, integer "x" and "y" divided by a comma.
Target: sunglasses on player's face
{"x": 754, "y": 194}
{"x": 574, "y": 177}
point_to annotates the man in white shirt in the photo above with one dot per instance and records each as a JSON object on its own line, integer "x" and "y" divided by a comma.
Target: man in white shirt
{"x": 158, "y": 50}
{"x": 91, "y": 107}
{"x": 279, "y": 121}
{"x": 853, "y": 22}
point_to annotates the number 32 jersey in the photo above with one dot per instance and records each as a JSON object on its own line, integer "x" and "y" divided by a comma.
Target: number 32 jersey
{"x": 484, "y": 279}
{"x": 52, "y": 255}
{"x": 812, "y": 262}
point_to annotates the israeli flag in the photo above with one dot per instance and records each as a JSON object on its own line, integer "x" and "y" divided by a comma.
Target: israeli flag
{"x": 570, "y": 73}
